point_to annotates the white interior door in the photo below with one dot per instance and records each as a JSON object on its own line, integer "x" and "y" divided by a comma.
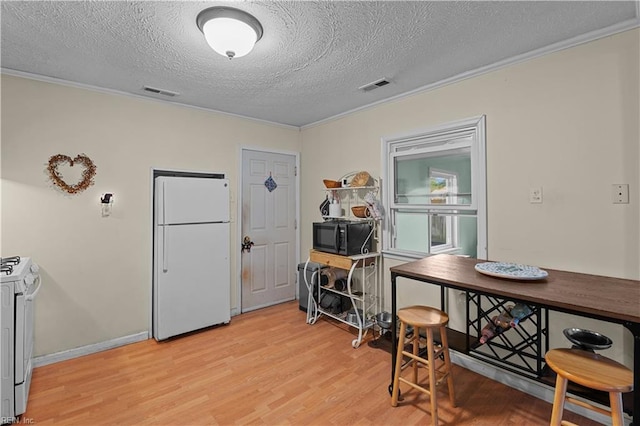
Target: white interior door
{"x": 269, "y": 220}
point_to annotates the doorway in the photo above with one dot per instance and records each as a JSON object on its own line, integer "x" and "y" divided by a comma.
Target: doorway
{"x": 268, "y": 228}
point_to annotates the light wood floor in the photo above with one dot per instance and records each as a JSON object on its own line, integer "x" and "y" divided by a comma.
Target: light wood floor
{"x": 266, "y": 367}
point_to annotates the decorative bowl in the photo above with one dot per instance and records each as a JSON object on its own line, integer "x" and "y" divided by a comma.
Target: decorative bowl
{"x": 587, "y": 339}
{"x": 331, "y": 183}
{"x": 361, "y": 179}
{"x": 360, "y": 211}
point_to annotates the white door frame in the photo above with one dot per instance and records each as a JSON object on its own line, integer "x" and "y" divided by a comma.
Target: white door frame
{"x": 238, "y": 309}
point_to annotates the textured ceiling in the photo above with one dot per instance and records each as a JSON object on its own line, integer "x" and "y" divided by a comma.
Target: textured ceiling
{"x": 312, "y": 58}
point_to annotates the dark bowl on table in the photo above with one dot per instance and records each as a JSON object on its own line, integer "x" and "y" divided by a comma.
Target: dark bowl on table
{"x": 587, "y": 339}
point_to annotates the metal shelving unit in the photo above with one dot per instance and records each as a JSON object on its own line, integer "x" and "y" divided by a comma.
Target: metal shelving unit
{"x": 363, "y": 280}
{"x": 364, "y": 298}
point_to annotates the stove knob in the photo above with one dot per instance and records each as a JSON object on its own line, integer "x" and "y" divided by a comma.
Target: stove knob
{"x": 35, "y": 268}
{"x": 29, "y": 279}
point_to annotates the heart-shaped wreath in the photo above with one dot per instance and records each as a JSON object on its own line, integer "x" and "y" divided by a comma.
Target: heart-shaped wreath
{"x": 87, "y": 174}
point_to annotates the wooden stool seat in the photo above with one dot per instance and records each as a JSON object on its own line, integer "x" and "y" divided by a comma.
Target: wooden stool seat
{"x": 429, "y": 319}
{"x": 423, "y": 316}
{"x": 590, "y": 370}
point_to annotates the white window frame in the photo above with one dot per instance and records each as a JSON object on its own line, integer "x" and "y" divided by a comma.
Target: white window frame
{"x": 461, "y": 134}
{"x": 451, "y": 221}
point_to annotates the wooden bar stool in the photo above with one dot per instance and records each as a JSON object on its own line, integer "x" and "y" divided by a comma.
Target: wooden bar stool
{"x": 424, "y": 317}
{"x": 593, "y": 371}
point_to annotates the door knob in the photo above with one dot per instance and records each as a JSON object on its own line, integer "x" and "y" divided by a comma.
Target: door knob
{"x": 246, "y": 244}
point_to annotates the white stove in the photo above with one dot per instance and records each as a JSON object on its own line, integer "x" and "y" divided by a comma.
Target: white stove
{"x": 19, "y": 284}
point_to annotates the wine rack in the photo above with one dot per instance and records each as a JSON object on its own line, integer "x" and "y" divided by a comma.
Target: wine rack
{"x": 519, "y": 349}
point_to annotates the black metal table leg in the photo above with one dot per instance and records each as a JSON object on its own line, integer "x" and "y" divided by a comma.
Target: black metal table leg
{"x": 394, "y": 330}
{"x": 635, "y": 330}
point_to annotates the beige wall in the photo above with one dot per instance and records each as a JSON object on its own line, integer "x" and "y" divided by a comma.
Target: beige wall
{"x": 97, "y": 271}
{"x": 568, "y": 122}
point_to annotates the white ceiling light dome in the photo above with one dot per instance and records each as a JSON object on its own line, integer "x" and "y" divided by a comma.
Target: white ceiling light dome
{"x": 230, "y": 32}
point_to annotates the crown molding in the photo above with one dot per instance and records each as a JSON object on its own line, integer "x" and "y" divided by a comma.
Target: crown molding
{"x": 543, "y": 51}
{"x": 92, "y": 88}
{"x": 566, "y": 44}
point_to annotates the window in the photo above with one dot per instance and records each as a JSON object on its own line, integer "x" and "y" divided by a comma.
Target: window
{"x": 443, "y": 187}
{"x": 435, "y": 191}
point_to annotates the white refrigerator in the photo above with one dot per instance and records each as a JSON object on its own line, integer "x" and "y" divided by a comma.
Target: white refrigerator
{"x": 191, "y": 255}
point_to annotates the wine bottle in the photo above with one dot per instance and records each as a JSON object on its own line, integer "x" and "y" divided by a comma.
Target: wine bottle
{"x": 519, "y": 312}
{"x": 490, "y": 330}
{"x": 504, "y": 319}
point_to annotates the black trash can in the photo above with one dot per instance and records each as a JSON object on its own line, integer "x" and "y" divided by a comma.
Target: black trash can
{"x": 303, "y": 291}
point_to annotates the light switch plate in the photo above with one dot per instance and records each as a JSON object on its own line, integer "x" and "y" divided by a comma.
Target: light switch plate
{"x": 620, "y": 193}
{"x": 535, "y": 195}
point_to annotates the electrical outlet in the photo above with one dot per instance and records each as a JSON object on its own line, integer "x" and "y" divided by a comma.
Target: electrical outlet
{"x": 535, "y": 195}
{"x": 620, "y": 193}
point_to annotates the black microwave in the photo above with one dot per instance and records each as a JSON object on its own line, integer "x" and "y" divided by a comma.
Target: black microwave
{"x": 343, "y": 237}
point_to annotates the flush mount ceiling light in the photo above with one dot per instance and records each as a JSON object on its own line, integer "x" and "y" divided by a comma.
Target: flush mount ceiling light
{"x": 230, "y": 32}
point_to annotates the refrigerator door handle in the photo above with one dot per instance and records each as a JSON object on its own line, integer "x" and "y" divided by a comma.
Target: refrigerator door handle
{"x": 164, "y": 203}
{"x": 165, "y": 253}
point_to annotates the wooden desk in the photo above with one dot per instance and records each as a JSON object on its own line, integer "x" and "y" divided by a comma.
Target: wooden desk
{"x": 609, "y": 299}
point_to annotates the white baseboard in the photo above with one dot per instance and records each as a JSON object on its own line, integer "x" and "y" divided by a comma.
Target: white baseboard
{"x": 39, "y": 361}
{"x": 528, "y": 386}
